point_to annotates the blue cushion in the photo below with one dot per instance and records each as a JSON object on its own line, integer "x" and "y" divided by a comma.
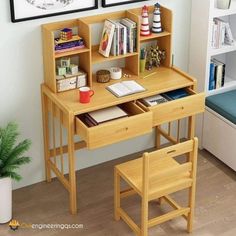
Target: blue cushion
{"x": 224, "y": 104}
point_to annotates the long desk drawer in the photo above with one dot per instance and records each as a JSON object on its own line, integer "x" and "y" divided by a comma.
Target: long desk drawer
{"x": 177, "y": 109}
{"x": 137, "y": 123}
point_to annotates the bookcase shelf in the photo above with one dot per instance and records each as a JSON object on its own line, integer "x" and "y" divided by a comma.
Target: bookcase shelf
{"x": 225, "y": 12}
{"x": 98, "y": 58}
{"x": 222, "y": 50}
{"x": 71, "y": 53}
{"x": 229, "y": 84}
{"x": 154, "y": 36}
{"x": 89, "y": 59}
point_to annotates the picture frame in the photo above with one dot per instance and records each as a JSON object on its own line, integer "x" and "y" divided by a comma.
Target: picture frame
{"x": 112, "y": 3}
{"x": 24, "y": 10}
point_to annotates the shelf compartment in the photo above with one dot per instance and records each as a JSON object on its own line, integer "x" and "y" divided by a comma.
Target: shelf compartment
{"x": 177, "y": 109}
{"x": 222, "y": 50}
{"x": 98, "y": 58}
{"x": 116, "y": 130}
{"x": 71, "y": 53}
{"x": 229, "y": 85}
{"x": 227, "y": 12}
{"x": 154, "y": 36}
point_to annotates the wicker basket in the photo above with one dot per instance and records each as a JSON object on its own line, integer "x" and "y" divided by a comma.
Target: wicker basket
{"x": 103, "y": 76}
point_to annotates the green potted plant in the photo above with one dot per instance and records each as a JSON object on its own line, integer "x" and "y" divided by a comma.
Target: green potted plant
{"x": 11, "y": 158}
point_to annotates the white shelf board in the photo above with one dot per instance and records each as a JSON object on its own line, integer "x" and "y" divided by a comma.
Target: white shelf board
{"x": 230, "y": 84}
{"x": 221, "y": 12}
{"x": 222, "y": 50}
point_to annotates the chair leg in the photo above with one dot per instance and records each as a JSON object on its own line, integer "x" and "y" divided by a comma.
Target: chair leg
{"x": 192, "y": 206}
{"x": 144, "y": 218}
{"x": 116, "y": 194}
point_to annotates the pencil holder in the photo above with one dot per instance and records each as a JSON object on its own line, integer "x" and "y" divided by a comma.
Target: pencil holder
{"x": 142, "y": 65}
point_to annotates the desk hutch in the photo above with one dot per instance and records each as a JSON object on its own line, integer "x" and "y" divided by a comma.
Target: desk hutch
{"x": 65, "y": 107}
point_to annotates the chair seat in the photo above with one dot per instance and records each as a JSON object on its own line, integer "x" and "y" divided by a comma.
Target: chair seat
{"x": 132, "y": 171}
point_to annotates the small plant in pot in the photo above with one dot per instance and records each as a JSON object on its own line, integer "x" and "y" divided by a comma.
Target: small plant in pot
{"x": 11, "y": 158}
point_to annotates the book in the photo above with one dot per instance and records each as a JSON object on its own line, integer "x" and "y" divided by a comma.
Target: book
{"x": 115, "y": 42}
{"x": 219, "y": 73}
{"x": 154, "y": 100}
{"x": 176, "y": 94}
{"x": 105, "y": 115}
{"x": 106, "y": 40}
{"x": 125, "y": 88}
{"x": 212, "y": 76}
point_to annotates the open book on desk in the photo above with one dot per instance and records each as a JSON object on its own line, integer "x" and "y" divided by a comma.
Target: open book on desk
{"x": 125, "y": 88}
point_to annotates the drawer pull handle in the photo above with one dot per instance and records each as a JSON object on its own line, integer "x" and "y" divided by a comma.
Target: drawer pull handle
{"x": 122, "y": 129}
{"x": 172, "y": 151}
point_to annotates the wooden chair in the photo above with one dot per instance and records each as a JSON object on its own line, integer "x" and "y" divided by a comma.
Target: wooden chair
{"x": 154, "y": 176}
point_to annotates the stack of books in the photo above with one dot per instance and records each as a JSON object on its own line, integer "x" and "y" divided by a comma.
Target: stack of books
{"x": 76, "y": 42}
{"x": 118, "y": 37}
{"x": 221, "y": 34}
{"x": 217, "y": 74}
{"x": 95, "y": 118}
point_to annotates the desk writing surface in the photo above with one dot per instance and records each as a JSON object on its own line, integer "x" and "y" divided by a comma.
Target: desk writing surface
{"x": 165, "y": 79}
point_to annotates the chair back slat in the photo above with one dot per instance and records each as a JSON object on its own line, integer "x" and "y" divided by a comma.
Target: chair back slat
{"x": 172, "y": 151}
{"x": 187, "y": 169}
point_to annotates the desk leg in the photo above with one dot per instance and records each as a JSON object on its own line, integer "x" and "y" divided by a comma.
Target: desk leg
{"x": 72, "y": 171}
{"x": 45, "y": 112}
{"x": 158, "y": 138}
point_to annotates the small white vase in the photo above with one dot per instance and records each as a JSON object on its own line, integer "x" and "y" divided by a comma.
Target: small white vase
{"x": 5, "y": 200}
{"x": 223, "y": 4}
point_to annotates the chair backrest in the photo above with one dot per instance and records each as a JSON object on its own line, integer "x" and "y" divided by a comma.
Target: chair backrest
{"x": 188, "y": 147}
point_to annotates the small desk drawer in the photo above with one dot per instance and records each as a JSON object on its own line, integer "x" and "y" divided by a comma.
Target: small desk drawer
{"x": 177, "y": 109}
{"x": 137, "y": 123}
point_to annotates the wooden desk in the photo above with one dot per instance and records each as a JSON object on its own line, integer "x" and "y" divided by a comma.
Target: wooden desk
{"x": 66, "y": 108}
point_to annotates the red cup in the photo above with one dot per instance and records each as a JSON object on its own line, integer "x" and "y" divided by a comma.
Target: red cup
{"x": 85, "y": 94}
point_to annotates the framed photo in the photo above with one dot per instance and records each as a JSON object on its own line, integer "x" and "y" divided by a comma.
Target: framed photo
{"x": 112, "y": 3}
{"x": 22, "y": 10}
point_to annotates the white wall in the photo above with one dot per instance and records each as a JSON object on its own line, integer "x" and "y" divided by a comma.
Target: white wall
{"x": 22, "y": 73}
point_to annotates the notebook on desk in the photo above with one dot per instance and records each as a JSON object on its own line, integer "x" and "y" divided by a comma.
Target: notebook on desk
{"x": 125, "y": 88}
{"x": 103, "y": 115}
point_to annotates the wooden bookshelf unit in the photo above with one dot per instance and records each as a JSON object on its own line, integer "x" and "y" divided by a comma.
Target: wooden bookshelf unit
{"x": 66, "y": 108}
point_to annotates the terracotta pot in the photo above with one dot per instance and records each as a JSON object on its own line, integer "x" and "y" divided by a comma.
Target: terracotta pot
{"x": 5, "y": 200}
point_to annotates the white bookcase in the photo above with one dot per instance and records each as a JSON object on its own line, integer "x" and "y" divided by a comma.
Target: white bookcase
{"x": 201, "y": 52}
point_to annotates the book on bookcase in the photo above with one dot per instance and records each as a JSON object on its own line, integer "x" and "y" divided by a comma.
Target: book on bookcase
{"x": 124, "y": 38}
{"x": 217, "y": 74}
{"x": 221, "y": 34}
{"x": 106, "y": 40}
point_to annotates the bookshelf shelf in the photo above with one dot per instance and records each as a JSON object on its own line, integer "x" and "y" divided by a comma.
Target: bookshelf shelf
{"x": 98, "y": 58}
{"x": 229, "y": 84}
{"x": 154, "y": 36}
{"x": 227, "y": 12}
{"x": 224, "y": 49}
{"x": 71, "y": 53}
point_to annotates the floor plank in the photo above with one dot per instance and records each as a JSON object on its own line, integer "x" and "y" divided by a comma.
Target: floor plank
{"x": 48, "y": 204}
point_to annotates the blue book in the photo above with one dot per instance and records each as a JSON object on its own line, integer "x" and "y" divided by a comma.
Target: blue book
{"x": 212, "y": 83}
{"x": 176, "y": 94}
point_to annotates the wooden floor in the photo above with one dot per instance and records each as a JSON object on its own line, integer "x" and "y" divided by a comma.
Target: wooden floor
{"x": 48, "y": 203}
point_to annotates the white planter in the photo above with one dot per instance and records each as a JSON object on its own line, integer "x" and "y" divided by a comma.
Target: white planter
{"x": 5, "y": 200}
{"x": 223, "y": 4}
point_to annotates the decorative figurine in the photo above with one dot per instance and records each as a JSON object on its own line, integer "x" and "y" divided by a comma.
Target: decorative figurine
{"x": 156, "y": 25}
{"x": 145, "y": 28}
{"x": 154, "y": 57}
{"x": 66, "y": 34}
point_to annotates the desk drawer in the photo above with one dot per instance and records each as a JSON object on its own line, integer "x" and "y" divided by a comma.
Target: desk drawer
{"x": 177, "y": 109}
{"x": 137, "y": 123}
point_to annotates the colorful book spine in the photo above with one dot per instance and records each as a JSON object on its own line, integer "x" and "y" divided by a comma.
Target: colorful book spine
{"x": 212, "y": 76}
